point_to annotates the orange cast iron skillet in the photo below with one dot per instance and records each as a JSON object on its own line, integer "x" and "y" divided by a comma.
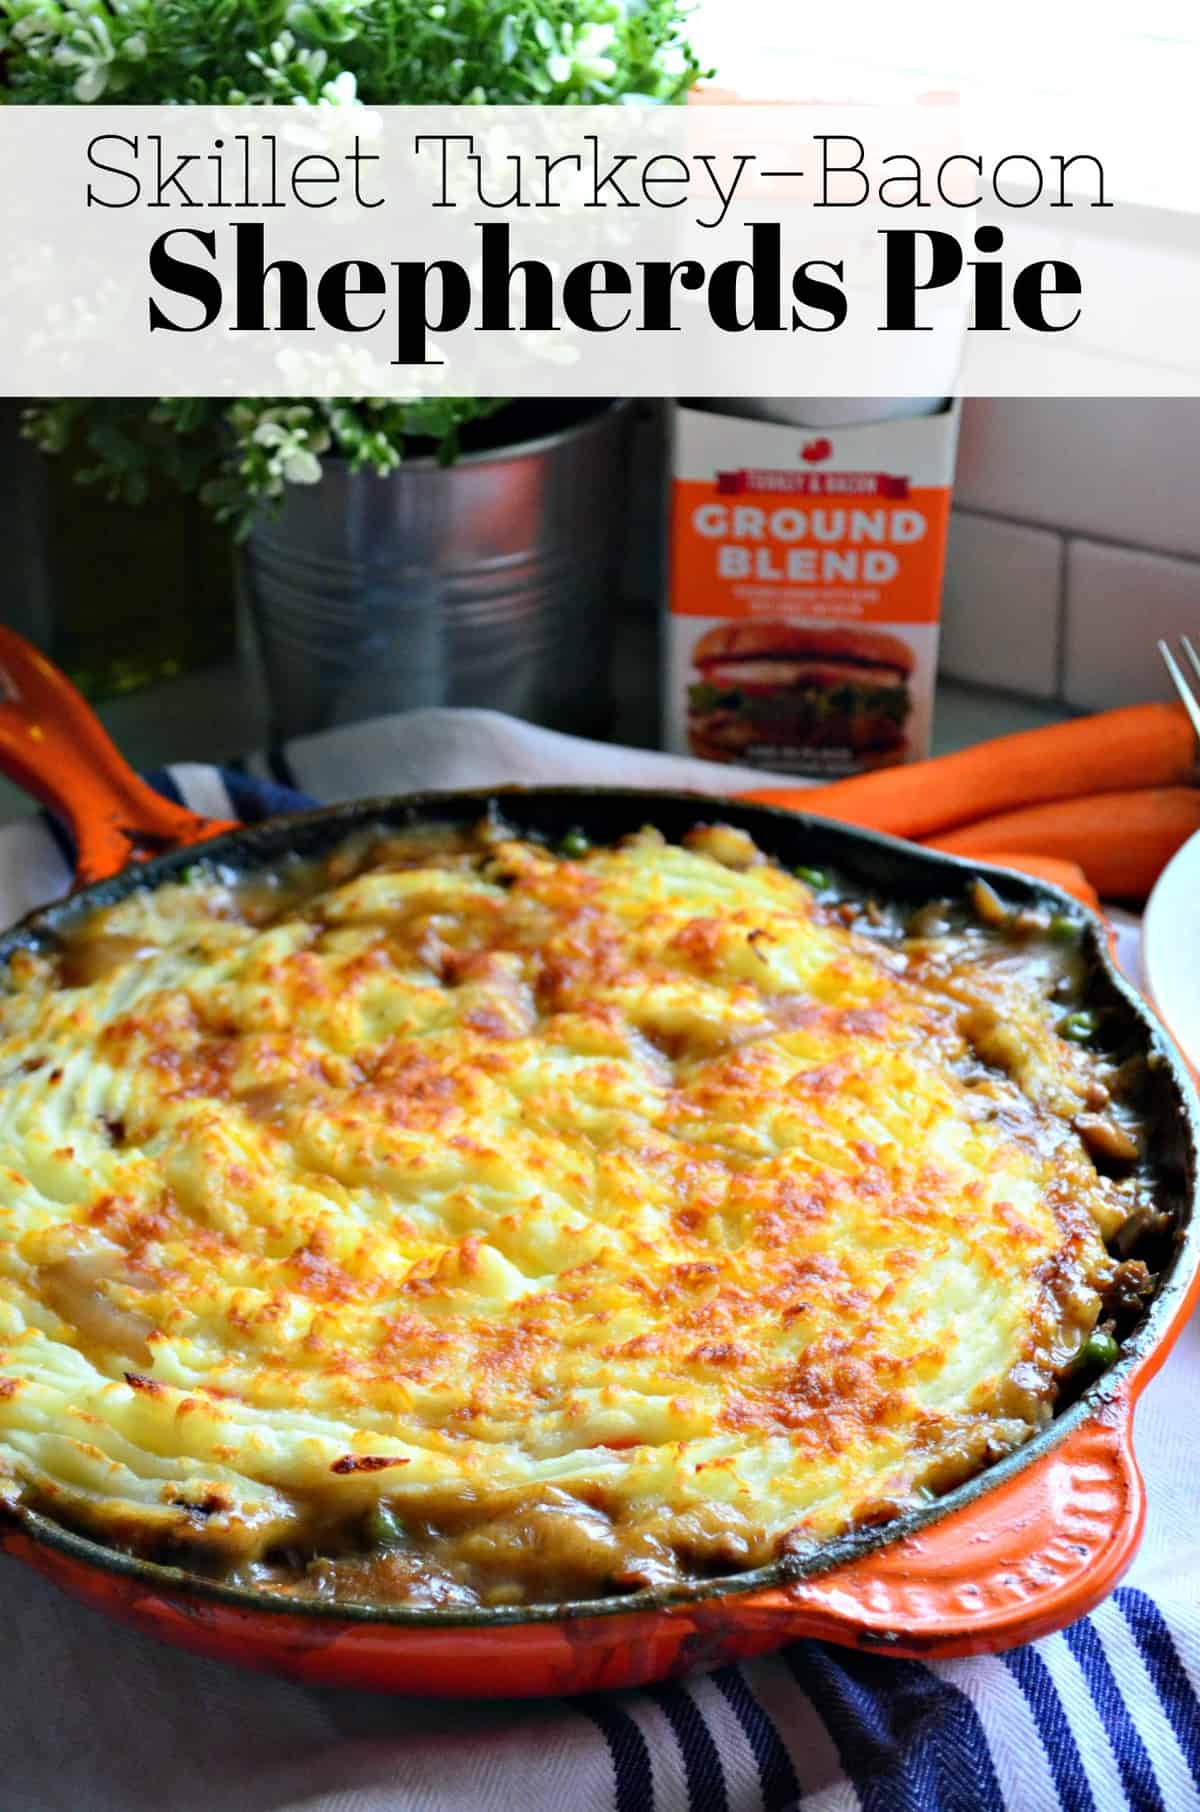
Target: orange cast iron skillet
{"x": 1022, "y": 1549}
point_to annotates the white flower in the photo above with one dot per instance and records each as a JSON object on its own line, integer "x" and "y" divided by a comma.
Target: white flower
{"x": 91, "y": 84}
{"x": 270, "y": 433}
{"x": 293, "y": 439}
{"x": 594, "y": 40}
{"x": 582, "y": 55}
{"x": 339, "y": 91}
{"x": 32, "y": 27}
{"x": 342, "y": 91}
{"x": 89, "y": 49}
{"x": 299, "y": 466}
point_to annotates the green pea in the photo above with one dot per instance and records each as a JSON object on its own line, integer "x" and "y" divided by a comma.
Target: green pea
{"x": 1097, "y": 1353}
{"x": 816, "y": 878}
{"x": 193, "y": 872}
{"x": 574, "y": 845}
{"x": 1102, "y": 1350}
{"x": 384, "y": 1528}
{"x": 1064, "y": 929}
{"x": 1080, "y": 1027}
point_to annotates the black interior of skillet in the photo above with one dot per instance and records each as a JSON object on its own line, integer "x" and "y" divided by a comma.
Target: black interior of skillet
{"x": 889, "y": 870}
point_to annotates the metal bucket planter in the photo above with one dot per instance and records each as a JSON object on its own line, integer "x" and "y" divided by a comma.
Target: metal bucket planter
{"x": 487, "y": 582}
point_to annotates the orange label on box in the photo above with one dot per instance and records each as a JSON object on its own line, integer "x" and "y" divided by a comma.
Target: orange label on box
{"x": 836, "y": 547}
{"x": 805, "y": 585}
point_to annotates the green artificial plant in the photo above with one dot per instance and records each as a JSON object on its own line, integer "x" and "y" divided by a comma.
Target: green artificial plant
{"x": 312, "y": 53}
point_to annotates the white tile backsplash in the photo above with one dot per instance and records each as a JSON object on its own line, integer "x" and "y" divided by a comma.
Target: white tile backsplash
{"x": 1119, "y": 601}
{"x": 1000, "y": 605}
{"x": 1119, "y": 469}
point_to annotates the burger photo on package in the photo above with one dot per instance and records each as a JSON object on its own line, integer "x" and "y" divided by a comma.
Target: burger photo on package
{"x": 839, "y": 696}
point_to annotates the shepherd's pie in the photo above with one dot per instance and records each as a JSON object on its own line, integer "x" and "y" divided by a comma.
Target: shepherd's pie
{"x": 460, "y": 1219}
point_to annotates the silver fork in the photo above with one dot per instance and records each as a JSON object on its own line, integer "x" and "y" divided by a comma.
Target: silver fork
{"x": 1187, "y": 688}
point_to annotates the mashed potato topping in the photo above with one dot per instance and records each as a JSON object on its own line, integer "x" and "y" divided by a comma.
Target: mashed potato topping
{"x": 457, "y": 1219}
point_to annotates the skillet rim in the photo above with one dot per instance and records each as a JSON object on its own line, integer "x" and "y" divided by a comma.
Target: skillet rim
{"x": 271, "y": 839}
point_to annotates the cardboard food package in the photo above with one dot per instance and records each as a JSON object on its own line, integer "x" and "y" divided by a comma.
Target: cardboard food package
{"x": 804, "y": 584}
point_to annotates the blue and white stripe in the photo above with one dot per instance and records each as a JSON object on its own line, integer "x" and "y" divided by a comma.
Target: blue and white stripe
{"x": 1102, "y": 1716}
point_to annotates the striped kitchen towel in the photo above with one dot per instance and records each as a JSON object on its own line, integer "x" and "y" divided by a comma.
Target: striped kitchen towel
{"x": 1102, "y": 1716}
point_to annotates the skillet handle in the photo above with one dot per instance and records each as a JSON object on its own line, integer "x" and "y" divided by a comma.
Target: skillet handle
{"x": 1024, "y": 1559}
{"x": 54, "y": 747}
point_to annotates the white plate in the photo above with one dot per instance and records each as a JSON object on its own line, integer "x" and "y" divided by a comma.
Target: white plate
{"x": 1171, "y": 948}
